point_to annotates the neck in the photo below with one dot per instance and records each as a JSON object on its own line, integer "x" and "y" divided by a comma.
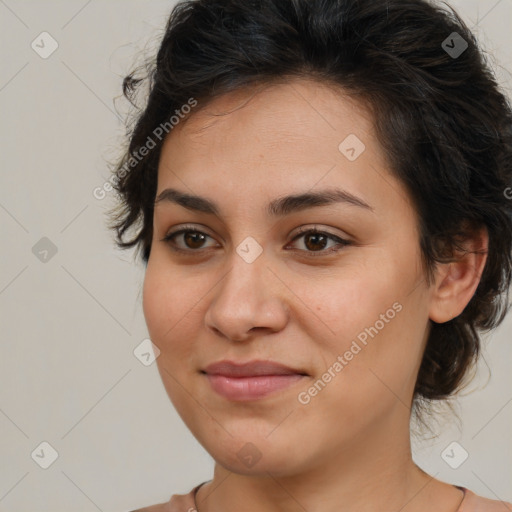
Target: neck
{"x": 373, "y": 472}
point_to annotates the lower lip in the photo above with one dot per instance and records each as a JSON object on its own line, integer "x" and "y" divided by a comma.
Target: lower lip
{"x": 250, "y": 388}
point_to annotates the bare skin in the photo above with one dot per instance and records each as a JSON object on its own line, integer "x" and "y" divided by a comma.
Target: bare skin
{"x": 350, "y": 444}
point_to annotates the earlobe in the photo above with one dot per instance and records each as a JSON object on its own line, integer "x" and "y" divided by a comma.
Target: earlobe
{"x": 456, "y": 282}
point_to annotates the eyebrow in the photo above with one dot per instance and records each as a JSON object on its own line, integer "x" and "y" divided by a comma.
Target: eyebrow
{"x": 276, "y": 208}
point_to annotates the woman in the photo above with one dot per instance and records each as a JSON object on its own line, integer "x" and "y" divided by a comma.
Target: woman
{"x": 321, "y": 187}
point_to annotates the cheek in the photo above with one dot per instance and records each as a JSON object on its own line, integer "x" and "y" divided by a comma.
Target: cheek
{"x": 372, "y": 321}
{"x": 174, "y": 319}
{"x": 167, "y": 301}
{"x": 372, "y": 365}
{"x": 338, "y": 307}
{"x": 167, "y": 313}
{"x": 154, "y": 304}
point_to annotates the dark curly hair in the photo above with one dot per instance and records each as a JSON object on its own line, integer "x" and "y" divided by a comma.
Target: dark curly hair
{"x": 440, "y": 116}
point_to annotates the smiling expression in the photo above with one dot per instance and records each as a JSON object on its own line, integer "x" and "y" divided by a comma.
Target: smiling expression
{"x": 248, "y": 280}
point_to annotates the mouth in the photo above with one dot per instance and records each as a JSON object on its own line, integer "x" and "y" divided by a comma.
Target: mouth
{"x": 253, "y": 380}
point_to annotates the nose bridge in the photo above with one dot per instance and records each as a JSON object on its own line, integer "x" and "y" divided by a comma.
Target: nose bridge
{"x": 248, "y": 260}
{"x": 248, "y": 279}
{"x": 246, "y": 297}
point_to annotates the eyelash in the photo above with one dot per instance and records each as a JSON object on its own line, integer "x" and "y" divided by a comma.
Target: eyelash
{"x": 169, "y": 239}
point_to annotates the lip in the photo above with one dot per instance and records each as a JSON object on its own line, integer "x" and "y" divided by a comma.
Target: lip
{"x": 252, "y": 380}
{"x": 254, "y": 368}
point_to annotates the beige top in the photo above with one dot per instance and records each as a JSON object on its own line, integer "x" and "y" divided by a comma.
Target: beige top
{"x": 470, "y": 503}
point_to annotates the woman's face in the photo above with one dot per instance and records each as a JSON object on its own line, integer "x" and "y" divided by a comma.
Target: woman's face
{"x": 250, "y": 287}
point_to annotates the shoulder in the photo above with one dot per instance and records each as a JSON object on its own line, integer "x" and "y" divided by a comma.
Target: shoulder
{"x": 474, "y": 503}
{"x": 177, "y": 503}
{"x": 160, "y": 507}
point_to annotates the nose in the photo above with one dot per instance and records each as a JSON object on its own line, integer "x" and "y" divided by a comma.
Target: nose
{"x": 248, "y": 299}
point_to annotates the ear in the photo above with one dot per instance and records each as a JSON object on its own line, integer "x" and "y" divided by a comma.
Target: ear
{"x": 456, "y": 282}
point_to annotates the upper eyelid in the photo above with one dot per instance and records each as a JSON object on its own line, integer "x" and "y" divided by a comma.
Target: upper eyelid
{"x": 301, "y": 231}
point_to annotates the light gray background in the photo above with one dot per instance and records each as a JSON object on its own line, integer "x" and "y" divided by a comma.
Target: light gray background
{"x": 68, "y": 375}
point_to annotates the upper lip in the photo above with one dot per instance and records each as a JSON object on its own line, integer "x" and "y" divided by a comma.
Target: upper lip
{"x": 250, "y": 369}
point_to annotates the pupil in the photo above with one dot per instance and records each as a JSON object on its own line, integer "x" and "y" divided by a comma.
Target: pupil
{"x": 196, "y": 236}
{"x": 315, "y": 236}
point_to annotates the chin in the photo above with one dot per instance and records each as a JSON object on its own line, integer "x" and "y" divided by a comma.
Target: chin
{"x": 256, "y": 457}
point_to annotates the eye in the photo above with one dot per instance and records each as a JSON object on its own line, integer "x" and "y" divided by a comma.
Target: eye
{"x": 315, "y": 241}
{"x": 193, "y": 239}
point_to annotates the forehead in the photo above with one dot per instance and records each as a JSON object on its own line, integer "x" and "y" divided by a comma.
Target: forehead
{"x": 258, "y": 143}
{"x": 294, "y": 107}
{"x": 247, "y": 149}
{"x": 290, "y": 123}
